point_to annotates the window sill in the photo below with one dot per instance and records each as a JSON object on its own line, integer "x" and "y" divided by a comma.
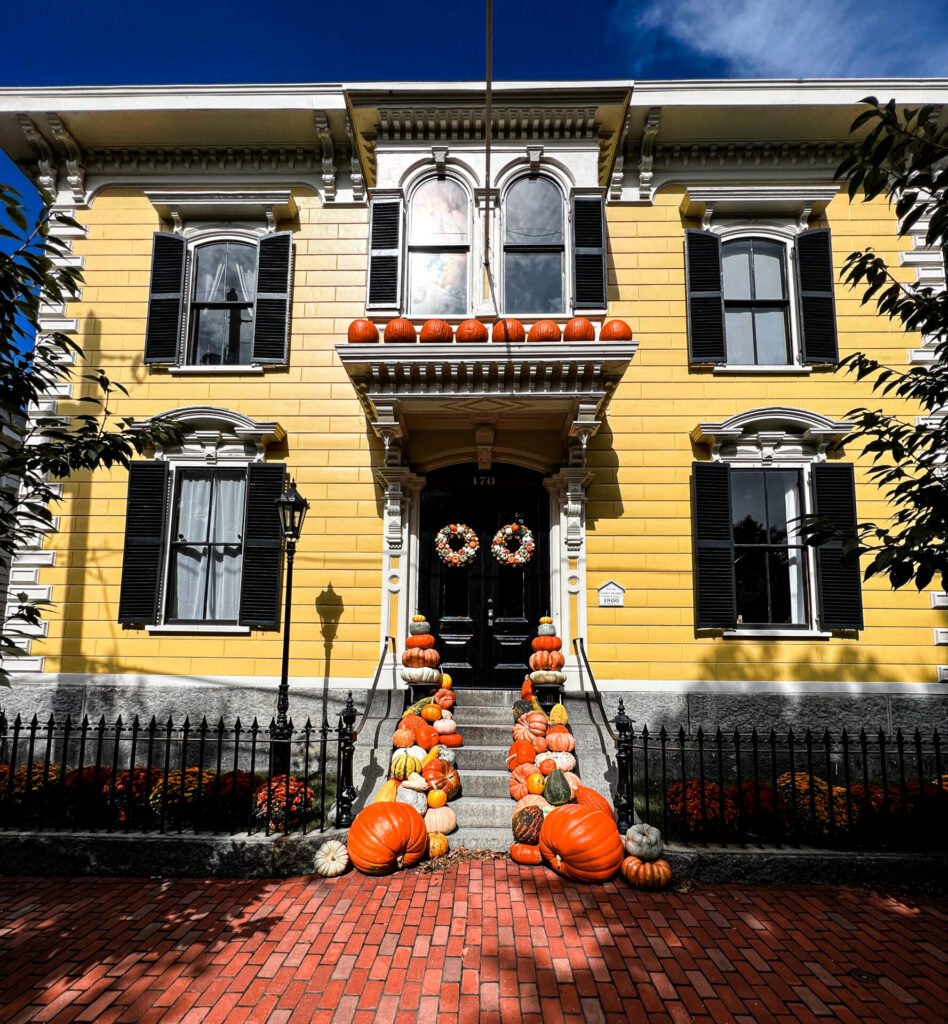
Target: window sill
{"x": 254, "y": 368}
{"x": 196, "y": 628}
{"x": 775, "y": 634}
{"x": 791, "y": 370}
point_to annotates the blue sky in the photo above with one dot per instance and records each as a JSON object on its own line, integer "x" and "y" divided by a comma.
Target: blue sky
{"x": 117, "y": 42}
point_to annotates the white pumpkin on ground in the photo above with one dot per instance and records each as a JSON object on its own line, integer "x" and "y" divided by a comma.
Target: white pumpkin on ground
{"x": 332, "y": 858}
{"x": 644, "y": 841}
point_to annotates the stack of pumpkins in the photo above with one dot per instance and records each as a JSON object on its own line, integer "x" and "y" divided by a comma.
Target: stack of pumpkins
{"x": 557, "y": 819}
{"x": 423, "y": 778}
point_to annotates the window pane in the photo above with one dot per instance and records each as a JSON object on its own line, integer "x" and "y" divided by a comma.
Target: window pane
{"x": 437, "y": 283}
{"x": 748, "y": 507}
{"x": 194, "y": 502}
{"x": 189, "y": 566}
{"x": 750, "y": 575}
{"x": 768, "y": 271}
{"x": 221, "y": 336}
{"x": 787, "y": 592}
{"x": 533, "y": 213}
{"x": 783, "y": 490}
{"x": 223, "y": 584}
{"x": 739, "y": 331}
{"x": 225, "y": 272}
{"x": 533, "y": 282}
{"x": 228, "y": 520}
{"x": 771, "y": 328}
{"x": 439, "y": 214}
{"x": 737, "y": 278}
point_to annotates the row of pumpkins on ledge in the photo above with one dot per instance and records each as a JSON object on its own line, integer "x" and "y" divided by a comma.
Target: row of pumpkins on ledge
{"x": 506, "y": 331}
{"x": 410, "y": 817}
{"x": 559, "y": 820}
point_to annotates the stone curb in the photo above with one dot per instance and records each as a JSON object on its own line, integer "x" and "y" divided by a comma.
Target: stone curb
{"x": 173, "y": 856}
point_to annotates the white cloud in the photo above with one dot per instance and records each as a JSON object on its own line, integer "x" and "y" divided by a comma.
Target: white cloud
{"x": 808, "y": 39}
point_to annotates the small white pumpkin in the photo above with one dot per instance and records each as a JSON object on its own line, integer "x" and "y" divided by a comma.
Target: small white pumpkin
{"x": 445, "y": 726}
{"x": 546, "y": 629}
{"x": 416, "y": 782}
{"x": 332, "y": 858}
{"x": 448, "y": 754}
{"x": 418, "y": 628}
{"x": 644, "y": 841}
{"x": 421, "y": 675}
{"x": 447, "y": 715}
{"x": 441, "y": 819}
{"x": 413, "y": 798}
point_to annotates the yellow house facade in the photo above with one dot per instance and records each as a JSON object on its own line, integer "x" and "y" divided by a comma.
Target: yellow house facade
{"x": 230, "y": 238}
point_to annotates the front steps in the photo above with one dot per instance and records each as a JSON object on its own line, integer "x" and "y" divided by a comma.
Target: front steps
{"x": 485, "y": 720}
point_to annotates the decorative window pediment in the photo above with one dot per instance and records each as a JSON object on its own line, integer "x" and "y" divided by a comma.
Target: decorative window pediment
{"x": 771, "y": 434}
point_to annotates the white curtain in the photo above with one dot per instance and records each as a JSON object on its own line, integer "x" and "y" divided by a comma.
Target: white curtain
{"x": 207, "y": 579}
{"x": 797, "y": 555}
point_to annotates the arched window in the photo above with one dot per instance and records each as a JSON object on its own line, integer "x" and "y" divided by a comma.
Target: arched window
{"x": 756, "y": 302}
{"x": 534, "y": 247}
{"x": 224, "y": 284}
{"x": 438, "y": 249}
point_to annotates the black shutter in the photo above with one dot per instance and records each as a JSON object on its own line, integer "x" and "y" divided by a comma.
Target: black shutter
{"x": 263, "y": 546}
{"x": 165, "y": 299}
{"x": 839, "y": 579}
{"x": 714, "y": 546}
{"x": 271, "y": 328}
{"x": 146, "y": 517}
{"x": 705, "y": 297}
{"x": 814, "y": 262}
{"x": 589, "y": 252}
{"x": 384, "y": 254}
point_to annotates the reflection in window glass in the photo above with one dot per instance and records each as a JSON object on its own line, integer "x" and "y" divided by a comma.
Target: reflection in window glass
{"x": 438, "y": 283}
{"x": 438, "y": 249}
{"x": 225, "y": 282}
{"x": 756, "y": 306}
{"x": 534, "y": 250}
{"x": 769, "y": 559}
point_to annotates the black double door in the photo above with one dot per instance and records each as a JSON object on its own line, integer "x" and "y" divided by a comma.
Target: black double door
{"x": 484, "y": 614}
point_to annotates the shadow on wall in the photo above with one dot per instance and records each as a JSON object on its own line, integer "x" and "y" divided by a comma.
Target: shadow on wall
{"x": 604, "y": 497}
{"x": 329, "y": 608}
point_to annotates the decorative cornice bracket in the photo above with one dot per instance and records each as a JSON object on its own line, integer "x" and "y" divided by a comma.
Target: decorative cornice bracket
{"x": 328, "y": 154}
{"x": 75, "y": 172}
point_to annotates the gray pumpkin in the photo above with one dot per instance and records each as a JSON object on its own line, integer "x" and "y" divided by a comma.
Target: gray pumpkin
{"x": 417, "y": 628}
{"x": 413, "y": 798}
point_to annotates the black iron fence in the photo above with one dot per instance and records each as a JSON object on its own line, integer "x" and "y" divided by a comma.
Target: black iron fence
{"x": 851, "y": 791}
{"x": 161, "y": 777}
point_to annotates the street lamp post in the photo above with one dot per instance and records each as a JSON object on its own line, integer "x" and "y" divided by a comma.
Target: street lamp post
{"x": 292, "y": 508}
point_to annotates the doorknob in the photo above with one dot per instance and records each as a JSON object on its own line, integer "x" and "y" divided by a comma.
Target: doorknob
{"x": 490, "y": 611}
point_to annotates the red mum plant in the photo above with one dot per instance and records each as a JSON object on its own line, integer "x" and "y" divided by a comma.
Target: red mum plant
{"x": 130, "y": 788}
{"x": 756, "y": 802}
{"x": 278, "y": 809}
{"x": 685, "y": 802}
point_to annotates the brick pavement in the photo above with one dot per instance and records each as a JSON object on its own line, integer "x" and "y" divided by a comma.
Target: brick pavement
{"x": 483, "y": 941}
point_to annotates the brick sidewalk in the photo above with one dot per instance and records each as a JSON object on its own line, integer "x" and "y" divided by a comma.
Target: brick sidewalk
{"x": 484, "y": 941}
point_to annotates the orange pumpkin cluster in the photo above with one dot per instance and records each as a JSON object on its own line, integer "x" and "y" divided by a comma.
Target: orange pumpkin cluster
{"x": 413, "y": 802}
{"x": 507, "y": 331}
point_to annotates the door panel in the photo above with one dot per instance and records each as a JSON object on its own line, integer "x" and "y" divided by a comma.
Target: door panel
{"x": 484, "y": 614}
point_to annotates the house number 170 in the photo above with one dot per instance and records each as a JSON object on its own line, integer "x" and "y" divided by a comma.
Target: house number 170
{"x": 483, "y": 481}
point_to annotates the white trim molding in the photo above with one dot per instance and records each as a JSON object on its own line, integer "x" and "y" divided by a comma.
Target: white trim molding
{"x": 772, "y": 433}
{"x": 214, "y": 433}
{"x": 746, "y": 202}
{"x": 222, "y": 205}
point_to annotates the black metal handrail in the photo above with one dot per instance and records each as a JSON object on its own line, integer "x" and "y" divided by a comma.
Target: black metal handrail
{"x": 580, "y": 647}
{"x": 389, "y": 642}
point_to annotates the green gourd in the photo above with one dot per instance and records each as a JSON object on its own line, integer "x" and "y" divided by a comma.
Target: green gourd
{"x": 521, "y": 707}
{"x": 418, "y": 705}
{"x": 557, "y": 791}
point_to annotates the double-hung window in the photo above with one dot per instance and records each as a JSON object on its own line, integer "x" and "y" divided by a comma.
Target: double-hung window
{"x": 534, "y": 247}
{"x": 203, "y": 545}
{"x": 755, "y": 301}
{"x": 216, "y": 301}
{"x": 438, "y": 249}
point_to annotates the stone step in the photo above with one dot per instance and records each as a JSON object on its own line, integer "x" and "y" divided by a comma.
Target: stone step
{"x": 485, "y": 698}
{"x": 473, "y": 756}
{"x": 495, "y": 839}
{"x": 487, "y": 735}
{"x": 474, "y": 714}
{"x": 476, "y": 782}
{"x": 483, "y": 811}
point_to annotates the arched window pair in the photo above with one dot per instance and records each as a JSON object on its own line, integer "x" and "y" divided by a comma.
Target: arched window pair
{"x": 439, "y": 248}
{"x": 534, "y": 271}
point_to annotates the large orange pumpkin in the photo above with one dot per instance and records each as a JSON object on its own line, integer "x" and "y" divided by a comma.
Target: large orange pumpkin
{"x": 422, "y": 640}
{"x": 399, "y": 330}
{"x": 385, "y": 837}
{"x": 362, "y": 331}
{"x": 579, "y": 329}
{"x": 470, "y": 331}
{"x": 581, "y": 843}
{"x": 518, "y": 780}
{"x": 547, "y": 661}
{"x": 508, "y": 331}
{"x": 560, "y": 741}
{"x": 436, "y": 331}
{"x": 522, "y": 853}
{"x": 520, "y": 752}
{"x": 615, "y": 330}
{"x": 587, "y": 797}
{"x": 421, "y": 657}
{"x": 646, "y": 874}
{"x": 544, "y": 330}
{"x": 547, "y": 643}
{"x": 441, "y": 775}
{"x": 533, "y": 723}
